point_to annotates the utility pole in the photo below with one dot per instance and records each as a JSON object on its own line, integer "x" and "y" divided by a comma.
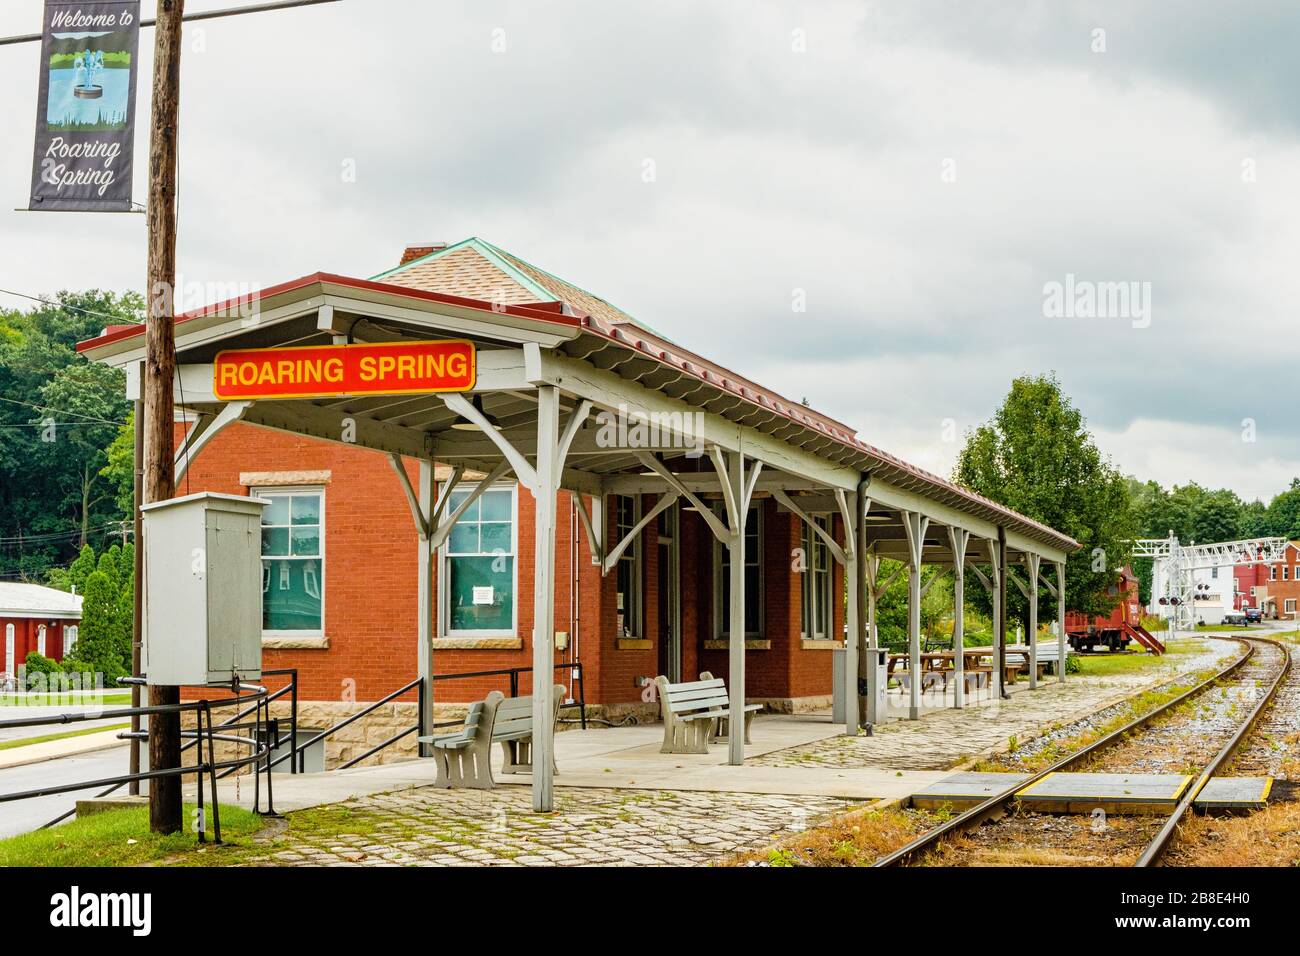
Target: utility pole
{"x": 154, "y": 443}
{"x": 159, "y": 369}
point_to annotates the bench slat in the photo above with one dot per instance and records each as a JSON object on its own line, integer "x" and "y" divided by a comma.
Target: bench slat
{"x": 686, "y": 707}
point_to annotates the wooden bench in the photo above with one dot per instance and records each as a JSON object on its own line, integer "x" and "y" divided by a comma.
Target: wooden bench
{"x": 1049, "y": 656}
{"x": 691, "y": 712}
{"x": 463, "y": 758}
{"x": 513, "y": 730}
{"x": 722, "y": 729}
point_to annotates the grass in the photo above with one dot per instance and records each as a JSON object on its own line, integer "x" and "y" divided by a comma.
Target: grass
{"x": 77, "y": 698}
{"x": 1268, "y": 837}
{"x": 1132, "y": 662}
{"x": 851, "y": 839}
{"x": 28, "y": 741}
{"x": 122, "y": 838}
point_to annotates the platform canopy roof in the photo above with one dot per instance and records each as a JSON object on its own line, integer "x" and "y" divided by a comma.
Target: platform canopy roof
{"x": 532, "y": 328}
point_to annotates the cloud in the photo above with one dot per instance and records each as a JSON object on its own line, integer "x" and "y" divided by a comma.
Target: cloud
{"x": 799, "y": 154}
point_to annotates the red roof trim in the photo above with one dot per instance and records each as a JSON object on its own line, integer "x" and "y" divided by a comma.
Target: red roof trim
{"x": 552, "y": 312}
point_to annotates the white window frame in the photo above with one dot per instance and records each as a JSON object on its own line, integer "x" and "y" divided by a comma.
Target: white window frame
{"x": 721, "y": 614}
{"x": 445, "y": 629}
{"x": 1288, "y": 606}
{"x": 1272, "y": 572}
{"x": 1286, "y": 572}
{"x": 634, "y": 557}
{"x": 812, "y": 591}
{"x": 271, "y": 491}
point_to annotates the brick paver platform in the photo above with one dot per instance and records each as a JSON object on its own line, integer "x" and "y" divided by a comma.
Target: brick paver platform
{"x": 430, "y": 827}
{"x": 945, "y": 739}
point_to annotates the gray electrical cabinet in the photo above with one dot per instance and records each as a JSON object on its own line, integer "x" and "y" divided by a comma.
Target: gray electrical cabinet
{"x": 203, "y": 589}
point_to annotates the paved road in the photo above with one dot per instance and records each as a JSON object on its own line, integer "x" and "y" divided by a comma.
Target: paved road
{"x": 53, "y": 710}
{"x": 25, "y": 815}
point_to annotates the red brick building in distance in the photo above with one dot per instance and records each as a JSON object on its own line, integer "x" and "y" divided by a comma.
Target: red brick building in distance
{"x": 36, "y": 618}
{"x": 1273, "y": 588}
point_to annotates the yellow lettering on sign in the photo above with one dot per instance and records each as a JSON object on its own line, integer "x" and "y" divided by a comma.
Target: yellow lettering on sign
{"x": 334, "y": 369}
{"x": 367, "y": 368}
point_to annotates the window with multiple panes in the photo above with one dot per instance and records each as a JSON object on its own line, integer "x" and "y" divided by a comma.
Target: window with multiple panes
{"x": 816, "y": 582}
{"x": 1272, "y": 572}
{"x": 293, "y": 560}
{"x": 478, "y": 567}
{"x": 627, "y": 512}
{"x": 753, "y": 579}
{"x": 1288, "y": 606}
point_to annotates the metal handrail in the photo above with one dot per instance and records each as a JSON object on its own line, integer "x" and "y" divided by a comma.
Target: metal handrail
{"x": 418, "y": 727}
{"x": 202, "y": 709}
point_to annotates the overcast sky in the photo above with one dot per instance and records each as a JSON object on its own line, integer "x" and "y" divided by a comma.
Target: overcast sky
{"x": 915, "y": 172}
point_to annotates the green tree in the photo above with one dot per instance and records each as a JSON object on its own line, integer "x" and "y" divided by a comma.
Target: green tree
{"x": 1036, "y": 456}
{"x": 103, "y": 642}
{"x": 1283, "y": 514}
{"x": 52, "y": 498}
{"x": 120, "y": 468}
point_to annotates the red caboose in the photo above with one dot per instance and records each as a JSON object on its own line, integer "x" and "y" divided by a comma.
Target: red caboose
{"x": 1115, "y": 630}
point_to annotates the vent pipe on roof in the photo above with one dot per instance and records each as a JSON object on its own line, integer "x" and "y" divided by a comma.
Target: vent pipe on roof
{"x": 420, "y": 250}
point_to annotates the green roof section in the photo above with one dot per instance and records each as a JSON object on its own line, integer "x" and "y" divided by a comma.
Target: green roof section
{"x": 488, "y": 252}
{"x": 500, "y": 258}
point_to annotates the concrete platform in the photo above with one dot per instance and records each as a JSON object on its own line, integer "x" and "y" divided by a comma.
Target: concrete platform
{"x": 961, "y": 791}
{"x": 1226, "y": 794}
{"x": 1112, "y": 792}
{"x": 626, "y": 758}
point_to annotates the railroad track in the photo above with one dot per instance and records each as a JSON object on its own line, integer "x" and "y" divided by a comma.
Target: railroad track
{"x": 1197, "y": 740}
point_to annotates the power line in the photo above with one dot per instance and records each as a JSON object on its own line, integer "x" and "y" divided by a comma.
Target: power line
{"x": 204, "y": 15}
{"x": 86, "y": 419}
{"x": 113, "y": 527}
{"x": 121, "y": 320}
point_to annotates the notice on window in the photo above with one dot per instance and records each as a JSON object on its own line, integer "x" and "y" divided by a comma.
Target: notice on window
{"x": 483, "y": 595}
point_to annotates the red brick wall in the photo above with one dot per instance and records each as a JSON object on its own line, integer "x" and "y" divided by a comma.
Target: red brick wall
{"x": 370, "y": 587}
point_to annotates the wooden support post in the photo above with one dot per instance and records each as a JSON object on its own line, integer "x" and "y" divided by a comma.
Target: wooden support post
{"x": 866, "y": 658}
{"x": 1031, "y": 632}
{"x": 853, "y": 611}
{"x": 736, "y": 505}
{"x": 957, "y": 540}
{"x": 544, "y": 494}
{"x": 137, "y": 620}
{"x": 1000, "y": 610}
{"x": 1060, "y": 622}
{"x": 424, "y": 596}
{"x": 160, "y": 367}
{"x": 915, "y": 525}
{"x": 871, "y": 705}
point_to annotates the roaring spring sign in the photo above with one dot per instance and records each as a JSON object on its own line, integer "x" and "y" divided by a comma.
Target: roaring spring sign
{"x": 85, "y": 119}
{"x": 321, "y": 371}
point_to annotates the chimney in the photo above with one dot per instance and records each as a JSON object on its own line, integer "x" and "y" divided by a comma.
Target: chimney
{"x": 420, "y": 250}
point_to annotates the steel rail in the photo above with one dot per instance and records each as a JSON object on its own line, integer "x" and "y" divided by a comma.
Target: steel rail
{"x": 1162, "y": 840}
{"x": 994, "y": 804}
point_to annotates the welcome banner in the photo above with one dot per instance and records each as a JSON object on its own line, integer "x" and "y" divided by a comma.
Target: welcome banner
{"x": 85, "y": 119}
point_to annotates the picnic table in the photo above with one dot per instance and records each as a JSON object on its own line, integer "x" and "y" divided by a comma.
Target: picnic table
{"x": 937, "y": 665}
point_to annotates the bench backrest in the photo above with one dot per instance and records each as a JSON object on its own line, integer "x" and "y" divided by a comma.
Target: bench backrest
{"x": 696, "y": 696}
{"x": 515, "y": 714}
{"x": 473, "y": 717}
